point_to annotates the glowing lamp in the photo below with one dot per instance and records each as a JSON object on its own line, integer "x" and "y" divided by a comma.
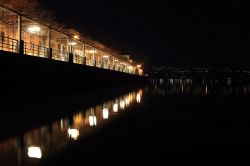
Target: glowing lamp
{"x": 34, "y": 29}
{"x": 73, "y": 43}
{"x": 91, "y": 51}
{"x": 76, "y": 37}
{"x": 105, "y": 56}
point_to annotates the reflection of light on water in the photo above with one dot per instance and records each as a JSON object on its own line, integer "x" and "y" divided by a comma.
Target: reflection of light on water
{"x": 78, "y": 120}
{"x": 139, "y": 96}
{"x": 73, "y": 133}
{"x": 115, "y": 107}
{"x": 61, "y": 124}
{"x": 92, "y": 120}
{"x": 105, "y": 113}
{"x": 122, "y": 104}
{"x": 34, "y": 152}
{"x": 127, "y": 101}
{"x": 206, "y": 90}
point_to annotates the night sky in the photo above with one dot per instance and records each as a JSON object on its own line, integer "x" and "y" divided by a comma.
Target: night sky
{"x": 175, "y": 33}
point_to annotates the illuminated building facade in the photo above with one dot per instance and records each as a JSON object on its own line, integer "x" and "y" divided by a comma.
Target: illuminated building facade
{"x": 19, "y": 34}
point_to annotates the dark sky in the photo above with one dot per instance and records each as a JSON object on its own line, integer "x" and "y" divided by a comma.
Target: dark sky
{"x": 177, "y": 33}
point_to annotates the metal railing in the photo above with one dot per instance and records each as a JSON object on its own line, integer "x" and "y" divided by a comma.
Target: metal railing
{"x": 60, "y": 56}
{"x": 35, "y": 50}
{"x": 9, "y": 44}
{"x": 77, "y": 59}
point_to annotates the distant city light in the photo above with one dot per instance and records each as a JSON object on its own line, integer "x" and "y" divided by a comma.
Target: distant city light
{"x": 34, "y": 152}
{"x": 105, "y": 113}
{"x": 34, "y": 29}
{"x": 73, "y": 133}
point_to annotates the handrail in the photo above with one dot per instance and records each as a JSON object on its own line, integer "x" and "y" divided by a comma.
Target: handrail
{"x": 36, "y": 50}
{"x": 9, "y": 44}
{"x": 60, "y": 55}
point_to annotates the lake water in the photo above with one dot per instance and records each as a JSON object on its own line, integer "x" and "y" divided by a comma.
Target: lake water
{"x": 175, "y": 121}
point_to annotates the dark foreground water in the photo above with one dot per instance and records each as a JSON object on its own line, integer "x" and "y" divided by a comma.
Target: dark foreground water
{"x": 169, "y": 122}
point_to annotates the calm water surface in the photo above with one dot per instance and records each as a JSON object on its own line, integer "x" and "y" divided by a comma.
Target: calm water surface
{"x": 177, "y": 120}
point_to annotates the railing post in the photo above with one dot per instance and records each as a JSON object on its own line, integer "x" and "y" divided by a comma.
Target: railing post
{"x": 84, "y": 61}
{"x": 71, "y": 58}
{"x": 49, "y": 44}
{"x": 21, "y": 47}
{"x": 19, "y": 37}
{"x": 50, "y": 53}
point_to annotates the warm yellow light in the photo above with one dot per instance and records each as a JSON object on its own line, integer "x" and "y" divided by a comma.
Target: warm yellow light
{"x": 122, "y": 104}
{"x": 116, "y": 60}
{"x": 34, "y": 152}
{"x": 127, "y": 102}
{"x": 139, "y": 66}
{"x": 115, "y": 107}
{"x": 131, "y": 61}
{"x": 72, "y": 43}
{"x": 91, "y": 51}
{"x": 73, "y": 133}
{"x": 92, "y": 121}
{"x": 105, "y": 56}
{"x": 34, "y": 29}
{"x": 76, "y": 37}
{"x": 138, "y": 98}
{"x": 105, "y": 113}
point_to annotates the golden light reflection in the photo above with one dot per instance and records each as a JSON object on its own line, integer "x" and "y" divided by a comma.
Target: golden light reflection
{"x": 127, "y": 101}
{"x": 105, "y": 113}
{"x": 78, "y": 120}
{"x": 92, "y": 121}
{"x": 122, "y": 104}
{"x": 61, "y": 124}
{"x": 71, "y": 128}
{"x": 73, "y": 133}
{"x": 34, "y": 152}
{"x": 206, "y": 90}
{"x": 139, "y": 96}
{"x": 115, "y": 107}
